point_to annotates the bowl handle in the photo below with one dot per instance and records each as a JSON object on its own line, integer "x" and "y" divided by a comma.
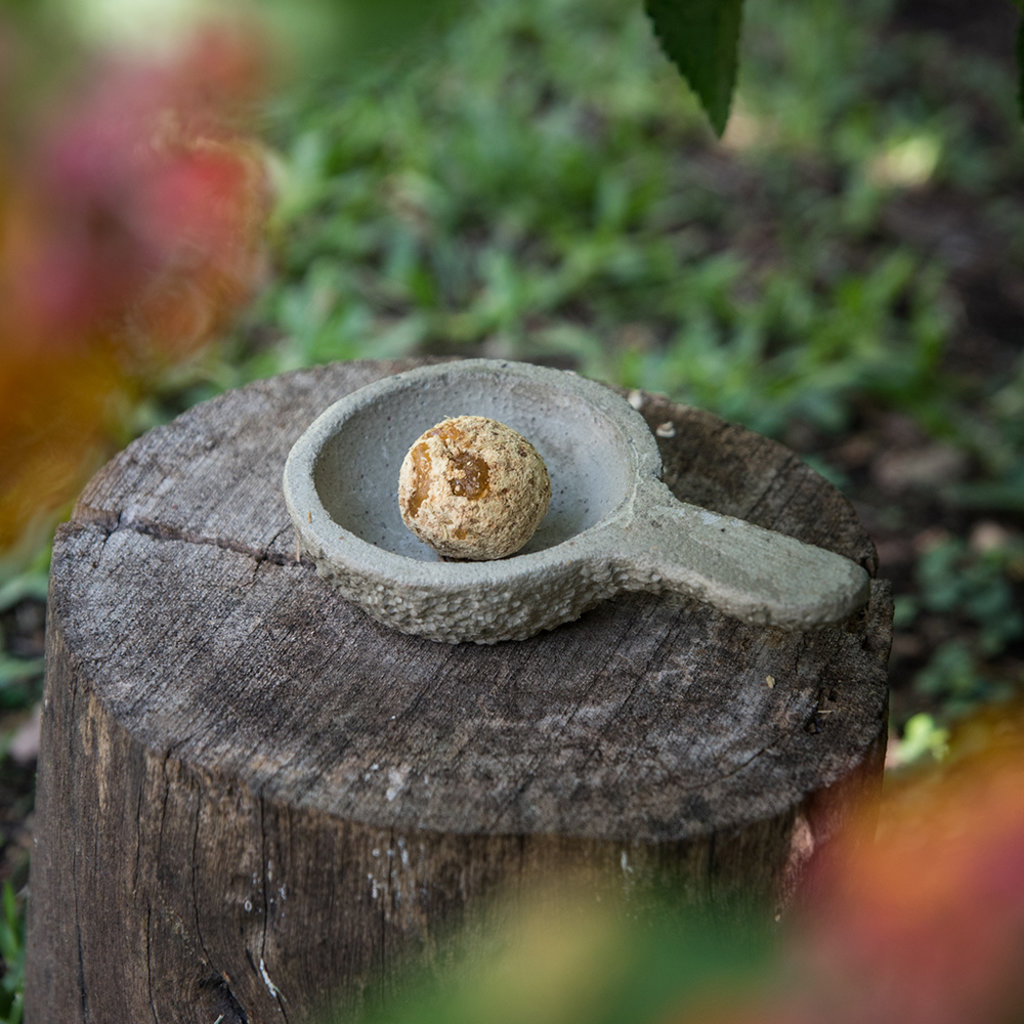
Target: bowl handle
{"x": 746, "y": 571}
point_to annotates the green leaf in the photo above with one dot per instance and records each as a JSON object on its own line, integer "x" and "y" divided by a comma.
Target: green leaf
{"x": 921, "y": 736}
{"x": 25, "y": 586}
{"x": 701, "y": 38}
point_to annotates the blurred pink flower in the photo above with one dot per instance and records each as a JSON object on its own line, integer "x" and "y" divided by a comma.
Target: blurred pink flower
{"x": 130, "y": 231}
{"x": 926, "y": 922}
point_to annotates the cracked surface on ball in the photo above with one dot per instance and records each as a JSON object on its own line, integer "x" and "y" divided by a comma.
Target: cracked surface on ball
{"x": 472, "y": 488}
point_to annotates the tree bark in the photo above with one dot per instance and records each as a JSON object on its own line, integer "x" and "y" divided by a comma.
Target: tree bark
{"x": 254, "y": 801}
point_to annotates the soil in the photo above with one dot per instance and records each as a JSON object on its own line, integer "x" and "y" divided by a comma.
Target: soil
{"x": 986, "y": 26}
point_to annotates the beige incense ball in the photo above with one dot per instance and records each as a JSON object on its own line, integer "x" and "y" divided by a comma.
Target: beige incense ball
{"x": 472, "y": 488}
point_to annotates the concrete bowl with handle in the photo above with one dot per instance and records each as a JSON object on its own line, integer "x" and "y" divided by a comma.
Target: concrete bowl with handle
{"x": 612, "y": 525}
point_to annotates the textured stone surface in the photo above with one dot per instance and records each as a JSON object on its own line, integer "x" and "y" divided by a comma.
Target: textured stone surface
{"x": 614, "y": 526}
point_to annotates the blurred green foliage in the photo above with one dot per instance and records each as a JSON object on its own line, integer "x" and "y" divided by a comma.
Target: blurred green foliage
{"x": 606, "y": 961}
{"x": 21, "y": 678}
{"x": 923, "y": 738}
{"x": 540, "y": 187}
{"x": 12, "y": 955}
{"x": 975, "y": 585}
{"x": 978, "y": 592}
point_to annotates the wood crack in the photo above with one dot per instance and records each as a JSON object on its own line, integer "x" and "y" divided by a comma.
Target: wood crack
{"x": 195, "y": 892}
{"x": 77, "y": 885}
{"x": 613, "y": 721}
{"x": 781, "y": 473}
{"x": 530, "y": 772}
{"x": 138, "y": 838}
{"x": 264, "y": 973}
{"x": 149, "y": 965}
{"x": 389, "y": 898}
{"x": 112, "y": 523}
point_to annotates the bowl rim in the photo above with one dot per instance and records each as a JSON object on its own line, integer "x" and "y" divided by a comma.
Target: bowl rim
{"x": 345, "y": 550}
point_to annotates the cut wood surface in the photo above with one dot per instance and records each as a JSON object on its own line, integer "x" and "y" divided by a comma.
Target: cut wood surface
{"x": 252, "y": 798}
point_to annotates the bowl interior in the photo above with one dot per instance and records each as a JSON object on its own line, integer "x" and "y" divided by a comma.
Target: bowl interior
{"x": 588, "y": 455}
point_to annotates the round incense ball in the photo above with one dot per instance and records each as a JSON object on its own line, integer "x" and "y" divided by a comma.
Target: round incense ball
{"x": 472, "y": 488}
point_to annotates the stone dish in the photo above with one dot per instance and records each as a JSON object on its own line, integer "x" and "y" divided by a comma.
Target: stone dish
{"x": 612, "y": 525}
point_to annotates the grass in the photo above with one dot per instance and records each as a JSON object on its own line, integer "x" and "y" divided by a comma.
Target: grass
{"x": 12, "y": 954}
{"x": 542, "y": 187}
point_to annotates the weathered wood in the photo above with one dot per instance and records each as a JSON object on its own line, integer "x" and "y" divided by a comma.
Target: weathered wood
{"x": 252, "y": 798}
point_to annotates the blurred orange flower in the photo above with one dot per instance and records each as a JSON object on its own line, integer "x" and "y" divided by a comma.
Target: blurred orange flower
{"x": 130, "y": 231}
{"x": 917, "y": 917}
{"x": 926, "y": 923}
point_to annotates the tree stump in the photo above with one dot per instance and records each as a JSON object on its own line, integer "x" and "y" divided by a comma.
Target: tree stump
{"x": 253, "y": 800}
